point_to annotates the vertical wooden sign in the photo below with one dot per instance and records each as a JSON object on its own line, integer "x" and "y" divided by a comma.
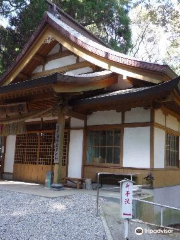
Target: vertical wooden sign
{"x": 126, "y": 198}
{"x": 56, "y": 143}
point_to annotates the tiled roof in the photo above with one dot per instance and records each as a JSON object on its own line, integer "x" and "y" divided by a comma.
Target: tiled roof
{"x": 156, "y": 90}
{"x": 55, "y": 78}
{"x": 90, "y": 45}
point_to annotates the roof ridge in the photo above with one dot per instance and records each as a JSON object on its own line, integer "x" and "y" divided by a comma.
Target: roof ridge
{"x": 77, "y": 23}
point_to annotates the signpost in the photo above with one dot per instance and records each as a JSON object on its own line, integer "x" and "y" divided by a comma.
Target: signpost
{"x": 126, "y": 191}
{"x": 56, "y": 143}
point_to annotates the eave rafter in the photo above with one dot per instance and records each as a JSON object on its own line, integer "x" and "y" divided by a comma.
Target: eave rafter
{"x": 91, "y": 60}
{"x": 39, "y": 58}
{"x": 64, "y": 69}
{"x": 80, "y": 87}
{"x": 104, "y": 63}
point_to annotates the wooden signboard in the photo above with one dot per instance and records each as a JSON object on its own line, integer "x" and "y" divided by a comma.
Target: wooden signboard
{"x": 9, "y": 110}
{"x": 56, "y": 143}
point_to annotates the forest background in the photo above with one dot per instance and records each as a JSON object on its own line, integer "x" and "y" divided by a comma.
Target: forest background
{"x": 147, "y": 30}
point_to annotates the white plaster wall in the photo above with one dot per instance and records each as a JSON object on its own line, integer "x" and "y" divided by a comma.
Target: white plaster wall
{"x": 33, "y": 120}
{"x": 104, "y": 117}
{"x": 172, "y": 122}
{"x": 80, "y": 71}
{"x": 75, "y": 153}
{"x": 55, "y": 49}
{"x": 77, "y": 122}
{"x": 10, "y": 153}
{"x": 160, "y": 117}
{"x": 38, "y": 69}
{"x": 136, "y": 147}
{"x": 159, "y": 148}
{"x": 49, "y": 118}
{"x": 137, "y": 115}
{"x": 61, "y": 62}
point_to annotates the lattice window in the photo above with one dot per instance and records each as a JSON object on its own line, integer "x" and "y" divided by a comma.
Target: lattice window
{"x": 38, "y": 148}
{"x": 20, "y": 148}
{"x": 65, "y": 149}
{"x": 33, "y": 126}
{"x": 103, "y": 146}
{"x": 172, "y": 150}
{"x": 32, "y": 148}
{"x": 46, "y": 148}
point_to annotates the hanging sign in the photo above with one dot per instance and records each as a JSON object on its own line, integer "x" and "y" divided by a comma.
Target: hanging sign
{"x": 56, "y": 143}
{"x": 13, "y": 109}
{"x": 126, "y": 198}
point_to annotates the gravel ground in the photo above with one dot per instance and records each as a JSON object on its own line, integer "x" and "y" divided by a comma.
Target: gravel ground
{"x": 29, "y": 217}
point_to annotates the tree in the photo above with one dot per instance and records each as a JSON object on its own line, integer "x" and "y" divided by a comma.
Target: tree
{"x": 156, "y": 32}
{"x": 107, "y": 19}
{"x": 23, "y": 20}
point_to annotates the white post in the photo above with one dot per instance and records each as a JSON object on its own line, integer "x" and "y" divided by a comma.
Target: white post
{"x": 126, "y": 191}
{"x": 126, "y": 229}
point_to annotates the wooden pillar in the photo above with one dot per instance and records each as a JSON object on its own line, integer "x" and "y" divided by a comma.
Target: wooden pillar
{"x": 152, "y": 139}
{"x": 58, "y": 166}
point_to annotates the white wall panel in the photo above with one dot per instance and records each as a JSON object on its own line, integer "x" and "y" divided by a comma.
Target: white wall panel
{"x": 159, "y": 148}
{"x": 160, "y": 117}
{"x": 10, "y": 154}
{"x": 75, "y": 153}
{"x": 80, "y": 71}
{"x": 55, "y": 49}
{"x": 136, "y": 147}
{"x": 172, "y": 122}
{"x": 60, "y": 62}
{"x": 137, "y": 115}
{"x": 104, "y": 117}
{"x": 38, "y": 69}
{"x": 77, "y": 122}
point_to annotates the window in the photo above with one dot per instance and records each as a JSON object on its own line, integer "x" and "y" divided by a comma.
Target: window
{"x": 38, "y": 148}
{"x": 103, "y": 146}
{"x": 172, "y": 150}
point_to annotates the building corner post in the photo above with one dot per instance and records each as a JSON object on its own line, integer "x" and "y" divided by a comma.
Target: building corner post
{"x": 58, "y": 166}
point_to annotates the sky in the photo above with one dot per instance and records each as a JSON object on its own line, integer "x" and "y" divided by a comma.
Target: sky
{"x": 3, "y": 22}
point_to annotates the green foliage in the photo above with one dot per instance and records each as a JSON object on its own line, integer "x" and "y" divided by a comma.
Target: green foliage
{"x": 21, "y": 26}
{"x": 156, "y": 32}
{"x": 107, "y": 19}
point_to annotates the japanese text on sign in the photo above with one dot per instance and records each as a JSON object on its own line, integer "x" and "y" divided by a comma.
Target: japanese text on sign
{"x": 56, "y": 144}
{"x": 126, "y": 198}
{"x": 13, "y": 109}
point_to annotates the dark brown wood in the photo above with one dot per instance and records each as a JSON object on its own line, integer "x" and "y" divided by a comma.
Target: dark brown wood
{"x": 78, "y": 182}
{"x": 77, "y": 115}
{"x": 84, "y": 147}
{"x": 152, "y": 140}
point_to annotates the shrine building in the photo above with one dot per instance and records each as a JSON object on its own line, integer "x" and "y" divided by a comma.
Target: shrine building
{"x": 72, "y": 105}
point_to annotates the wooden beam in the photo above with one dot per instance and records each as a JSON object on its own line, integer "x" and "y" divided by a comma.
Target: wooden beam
{"x": 58, "y": 166}
{"x": 23, "y": 76}
{"x": 77, "y": 115}
{"x": 27, "y": 58}
{"x": 152, "y": 139}
{"x": 81, "y": 86}
{"x": 63, "y": 69}
{"x": 65, "y": 53}
{"x": 129, "y": 71}
{"x": 39, "y": 58}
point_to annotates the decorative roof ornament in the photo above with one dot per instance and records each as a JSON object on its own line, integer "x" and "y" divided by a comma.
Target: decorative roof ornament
{"x": 49, "y": 39}
{"x": 53, "y": 9}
